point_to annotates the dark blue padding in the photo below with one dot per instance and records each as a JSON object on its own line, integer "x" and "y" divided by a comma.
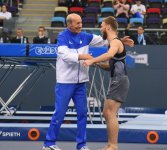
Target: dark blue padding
{"x": 96, "y": 51}
{"x": 43, "y": 50}
{"x": 13, "y": 50}
{"x": 93, "y": 134}
{"x": 46, "y": 51}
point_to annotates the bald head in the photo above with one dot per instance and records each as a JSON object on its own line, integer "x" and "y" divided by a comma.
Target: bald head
{"x": 72, "y": 17}
{"x": 74, "y": 23}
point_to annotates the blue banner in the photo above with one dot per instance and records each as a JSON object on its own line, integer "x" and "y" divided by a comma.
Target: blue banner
{"x": 50, "y": 50}
{"x": 96, "y": 51}
{"x": 13, "y": 50}
{"x": 46, "y": 51}
{"x": 43, "y": 50}
{"x": 126, "y": 135}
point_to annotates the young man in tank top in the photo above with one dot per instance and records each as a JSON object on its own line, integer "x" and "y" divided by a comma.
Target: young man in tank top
{"x": 119, "y": 80}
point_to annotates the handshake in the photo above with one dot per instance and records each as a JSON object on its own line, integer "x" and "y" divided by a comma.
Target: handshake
{"x": 88, "y": 59}
{"x": 88, "y": 62}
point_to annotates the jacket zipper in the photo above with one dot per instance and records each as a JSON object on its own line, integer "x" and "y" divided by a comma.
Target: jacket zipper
{"x": 78, "y": 67}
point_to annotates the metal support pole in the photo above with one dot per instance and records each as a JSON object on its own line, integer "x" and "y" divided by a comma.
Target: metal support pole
{"x": 22, "y": 85}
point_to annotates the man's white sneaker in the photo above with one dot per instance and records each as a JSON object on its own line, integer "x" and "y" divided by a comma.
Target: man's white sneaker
{"x": 53, "y": 147}
{"x": 84, "y": 148}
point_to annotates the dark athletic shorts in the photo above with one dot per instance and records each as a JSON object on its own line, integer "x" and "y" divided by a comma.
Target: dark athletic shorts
{"x": 119, "y": 87}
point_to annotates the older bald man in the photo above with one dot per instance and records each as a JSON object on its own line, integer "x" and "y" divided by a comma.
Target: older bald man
{"x": 71, "y": 75}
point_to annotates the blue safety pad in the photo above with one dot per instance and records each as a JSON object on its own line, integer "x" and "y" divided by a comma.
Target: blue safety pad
{"x": 47, "y": 51}
{"x": 43, "y": 50}
{"x": 96, "y": 51}
{"x": 130, "y": 61}
{"x": 94, "y": 134}
{"x": 13, "y": 50}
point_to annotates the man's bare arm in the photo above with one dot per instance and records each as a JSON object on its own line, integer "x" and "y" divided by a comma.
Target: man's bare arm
{"x": 104, "y": 65}
{"x": 84, "y": 56}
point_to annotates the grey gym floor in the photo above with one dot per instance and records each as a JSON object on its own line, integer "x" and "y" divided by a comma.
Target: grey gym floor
{"x": 28, "y": 145}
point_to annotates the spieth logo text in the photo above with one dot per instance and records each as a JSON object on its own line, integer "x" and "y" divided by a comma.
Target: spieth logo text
{"x": 10, "y": 134}
{"x": 47, "y": 50}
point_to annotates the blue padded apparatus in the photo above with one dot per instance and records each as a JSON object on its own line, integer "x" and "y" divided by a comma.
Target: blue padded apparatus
{"x": 97, "y": 51}
{"x": 43, "y": 50}
{"x": 13, "y": 50}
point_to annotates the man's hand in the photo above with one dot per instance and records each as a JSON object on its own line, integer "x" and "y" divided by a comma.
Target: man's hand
{"x": 84, "y": 56}
{"x": 88, "y": 62}
{"x": 104, "y": 65}
{"x": 127, "y": 41}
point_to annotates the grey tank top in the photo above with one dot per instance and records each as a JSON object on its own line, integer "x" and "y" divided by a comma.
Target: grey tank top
{"x": 117, "y": 63}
